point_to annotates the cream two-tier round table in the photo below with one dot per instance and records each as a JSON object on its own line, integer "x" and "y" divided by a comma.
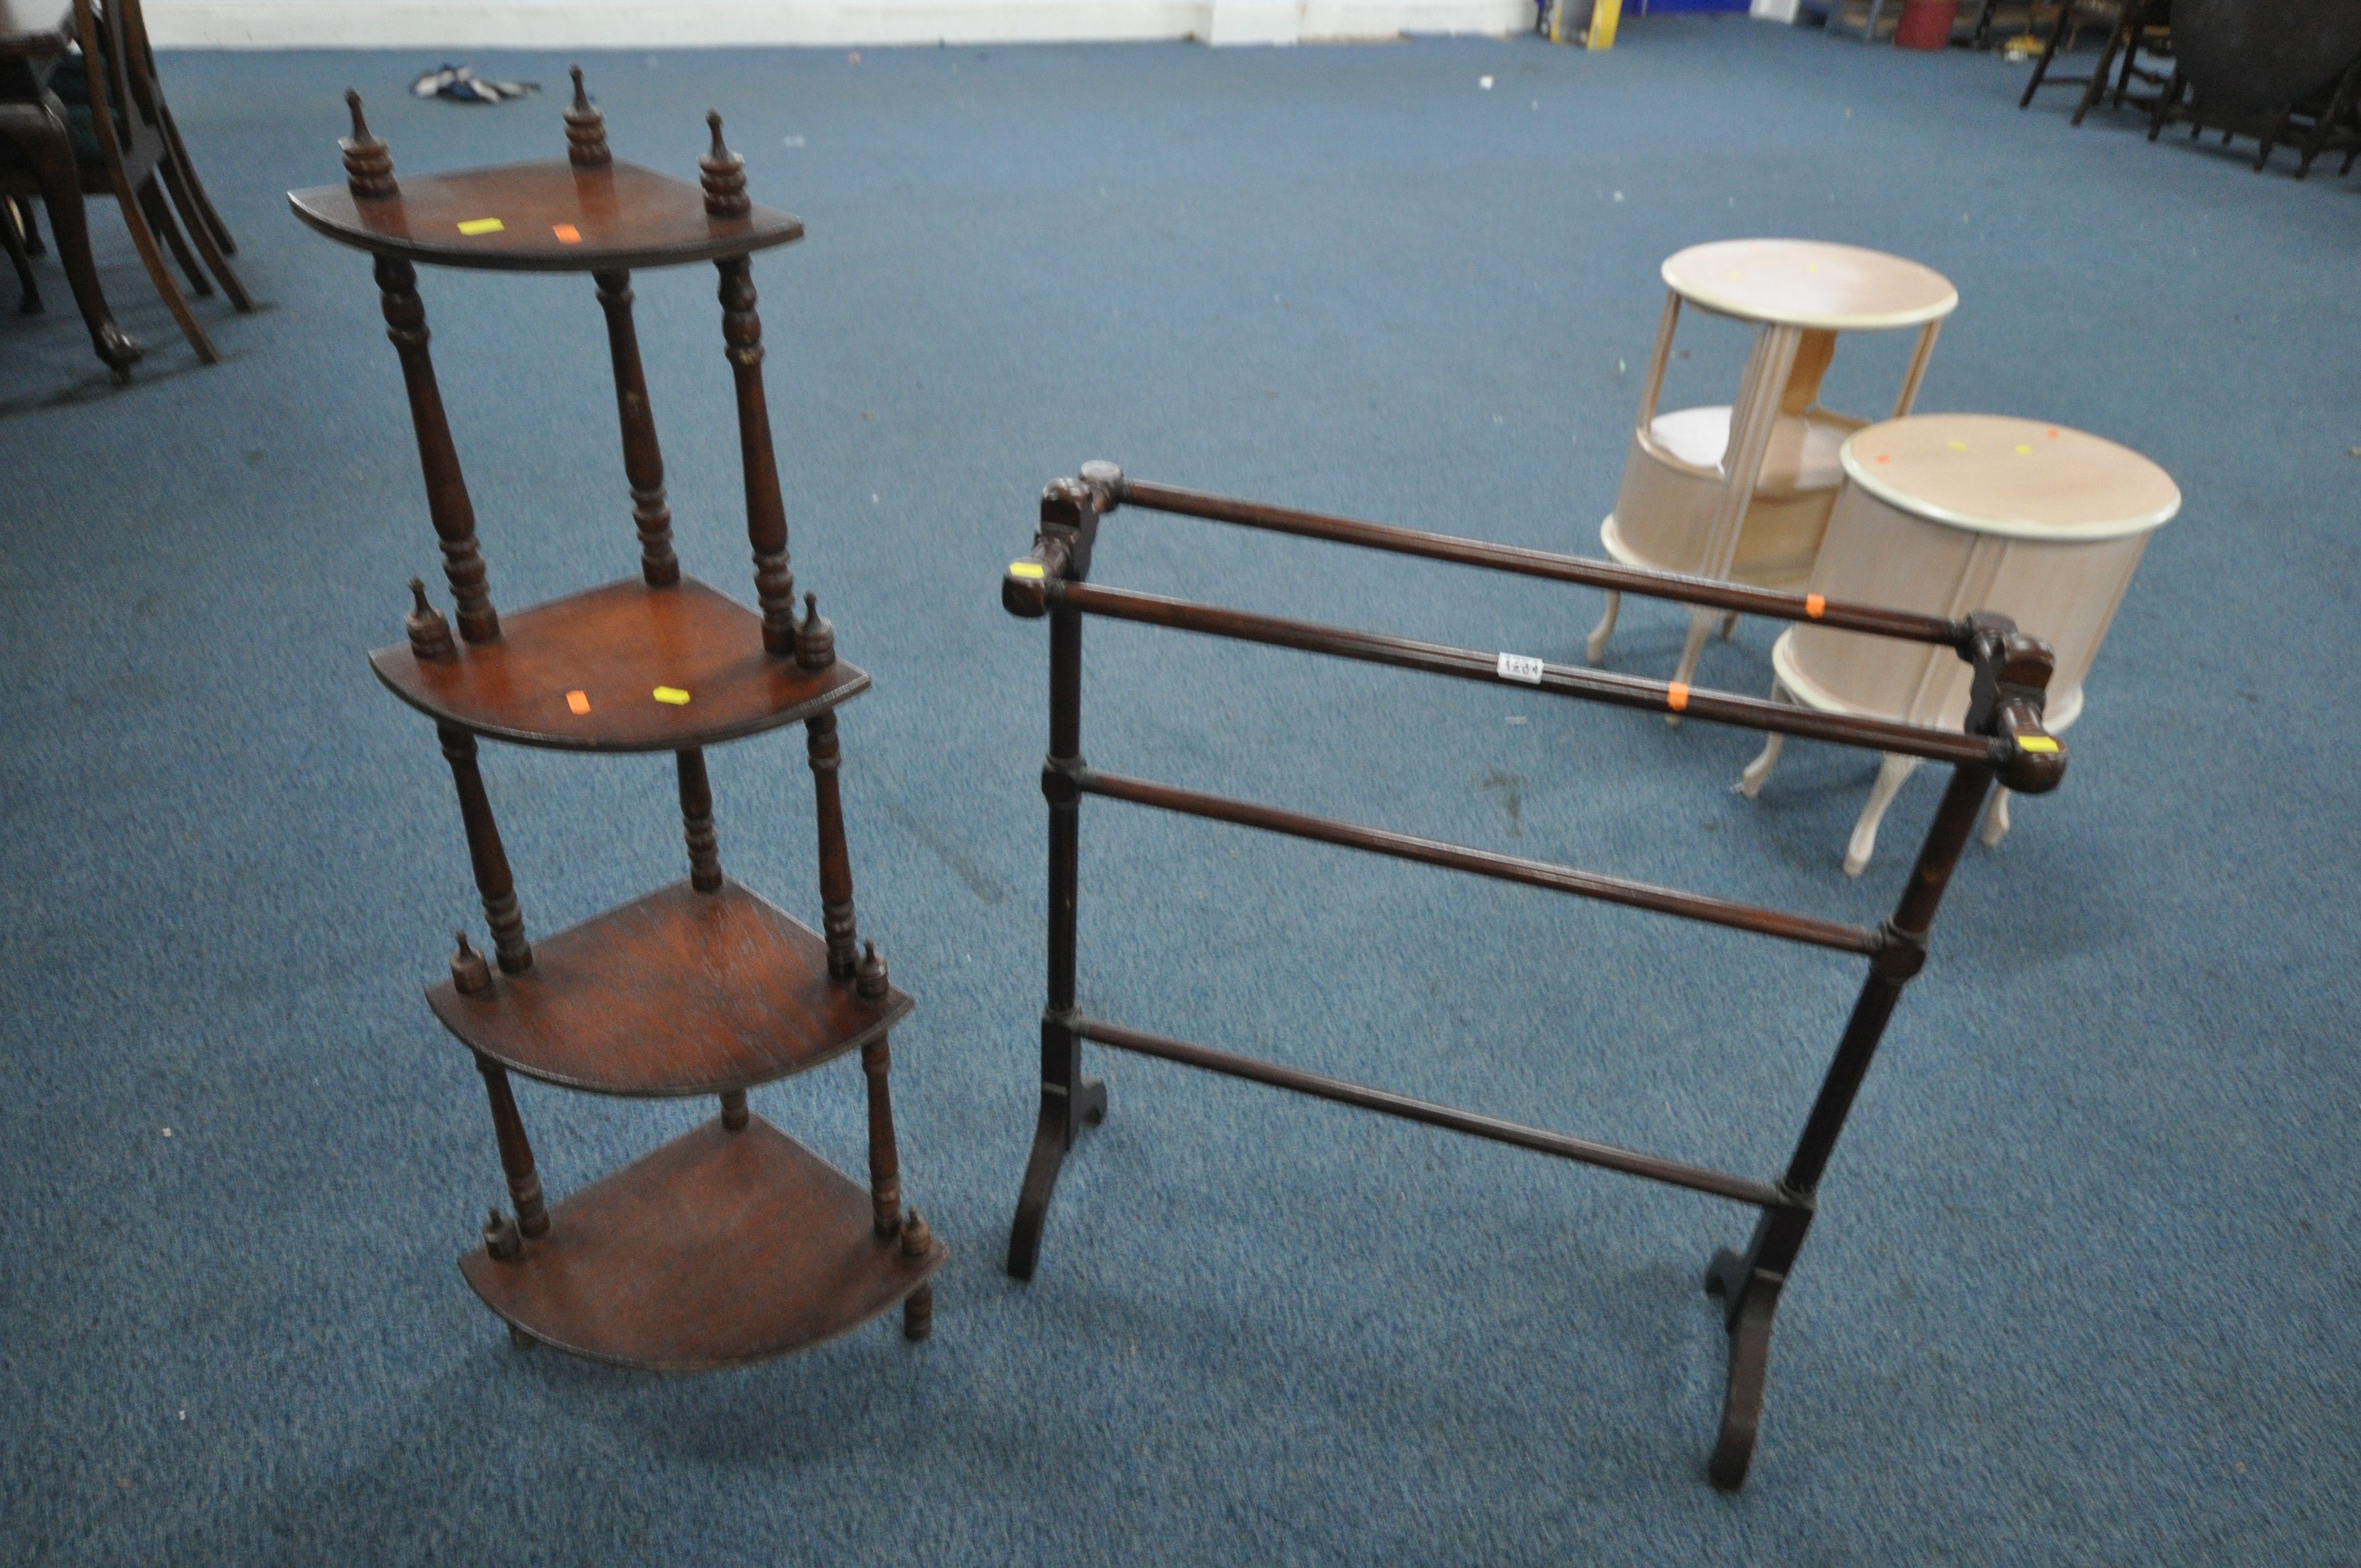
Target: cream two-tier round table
{"x": 1742, "y": 494}
{"x": 1949, "y": 514}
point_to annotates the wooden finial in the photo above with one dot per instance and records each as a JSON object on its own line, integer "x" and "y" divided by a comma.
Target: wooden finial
{"x": 430, "y": 634}
{"x": 916, "y": 1239}
{"x": 470, "y": 976}
{"x": 814, "y": 638}
{"x": 500, "y": 1237}
{"x": 585, "y": 129}
{"x": 870, "y": 983}
{"x": 368, "y": 162}
{"x": 723, "y": 174}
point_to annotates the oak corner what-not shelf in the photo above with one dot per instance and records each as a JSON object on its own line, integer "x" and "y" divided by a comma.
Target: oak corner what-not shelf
{"x": 731, "y": 1242}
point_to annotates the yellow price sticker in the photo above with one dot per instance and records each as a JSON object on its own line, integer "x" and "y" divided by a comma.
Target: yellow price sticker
{"x": 673, "y": 695}
{"x": 481, "y": 226}
{"x": 1031, "y": 571}
{"x": 2041, "y": 743}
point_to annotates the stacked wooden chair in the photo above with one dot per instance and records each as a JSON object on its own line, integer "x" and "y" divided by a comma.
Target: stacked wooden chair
{"x": 133, "y": 151}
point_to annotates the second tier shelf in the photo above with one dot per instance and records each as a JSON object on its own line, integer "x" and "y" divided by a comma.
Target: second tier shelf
{"x": 716, "y": 1249}
{"x": 581, "y": 674}
{"x": 676, "y": 992}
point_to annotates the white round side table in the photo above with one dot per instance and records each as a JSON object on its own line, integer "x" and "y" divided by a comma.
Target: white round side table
{"x": 1952, "y": 513}
{"x": 1742, "y": 494}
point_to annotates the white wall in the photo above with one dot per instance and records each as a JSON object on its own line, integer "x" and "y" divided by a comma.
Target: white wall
{"x": 638, "y": 24}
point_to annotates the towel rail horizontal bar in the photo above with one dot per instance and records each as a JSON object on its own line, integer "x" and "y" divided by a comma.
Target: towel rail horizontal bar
{"x": 1670, "y": 1172}
{"x": 1701, "y": 906}
{"x": 1546, "y": 564}
{"x": 1559, "y": 680}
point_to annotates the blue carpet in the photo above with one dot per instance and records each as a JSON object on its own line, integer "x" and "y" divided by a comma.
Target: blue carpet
{"x": 2083, "y": 1287}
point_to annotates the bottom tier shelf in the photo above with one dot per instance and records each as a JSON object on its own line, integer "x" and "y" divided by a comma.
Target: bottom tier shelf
{"x": 716, "y": 1249}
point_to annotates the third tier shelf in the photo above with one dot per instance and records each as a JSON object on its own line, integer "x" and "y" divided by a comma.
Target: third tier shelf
{"x": 676, "y": 992}
{"x": 621, "y": 668}
{"x": 716, "y": 1249}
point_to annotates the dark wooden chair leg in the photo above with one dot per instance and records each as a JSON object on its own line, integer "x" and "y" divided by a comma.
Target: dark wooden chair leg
{"x": 2048, "y": 53}
{"x": 200, "y": 206}
{"x": 159, "y": 213}
{"x": 2340, "y": 108}
{"x": 143, "y": 239}
{"x": 28, "y": 289}
{"x": 2167, "y": 102}
{"x": 40, "y": 131}
{"x": 2096, "y": 88}
{"x": 176, "y": 182}
{"x": 2135, "y": 29}
{"x": 30, "y": 228}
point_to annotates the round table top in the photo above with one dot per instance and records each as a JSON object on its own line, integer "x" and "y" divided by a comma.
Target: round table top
{"x": 1809, "y": 283}
{"x": 2022, "y": 478}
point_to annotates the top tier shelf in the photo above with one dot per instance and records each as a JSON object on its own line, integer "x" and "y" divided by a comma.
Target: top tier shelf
{"x": 519, "y": 218}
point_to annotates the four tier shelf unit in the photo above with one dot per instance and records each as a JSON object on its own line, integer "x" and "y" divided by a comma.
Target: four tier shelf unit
{"x": 732, "y": 1243}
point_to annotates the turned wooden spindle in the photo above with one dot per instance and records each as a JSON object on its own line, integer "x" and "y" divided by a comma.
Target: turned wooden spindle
{"x": 368, "y": 162}
{"x": 723, "y": 174}
{"x": 766, "y": 513}
{"x": 484, "y": 849}
{"x": 918, "y": 1307}
{"x": 733, "y": 1110}
{"x": 585, "y": 129}
{"x": 438, "y": 458}
{"x": 696, "y": 822}
{"x": 430, "y": 634}
{"x": 835, "y": 861}
{"x": 876, "y": 1066}
{"x": 642, "y": 458}
{"x": 516, "y": 1152}
{"x": 814, "y": 638}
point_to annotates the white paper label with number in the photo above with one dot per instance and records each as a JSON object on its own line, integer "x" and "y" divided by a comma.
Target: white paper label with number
{"x": 1517, "y": 668}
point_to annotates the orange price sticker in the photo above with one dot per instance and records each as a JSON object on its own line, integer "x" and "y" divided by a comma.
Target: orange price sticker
{"x": 1815, "y": 606}
{"x": 1676, "y": 697}
{"x": 578, "y": 701}
{"x": 567, "y": 234}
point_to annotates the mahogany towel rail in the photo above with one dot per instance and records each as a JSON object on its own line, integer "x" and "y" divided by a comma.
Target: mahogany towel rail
{"x": 2000, "y": 739}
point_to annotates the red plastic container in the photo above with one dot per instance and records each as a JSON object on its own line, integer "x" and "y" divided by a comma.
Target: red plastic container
{"x": 1925, "y": 24}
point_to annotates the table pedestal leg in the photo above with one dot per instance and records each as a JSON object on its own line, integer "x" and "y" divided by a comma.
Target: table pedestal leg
{"x": 1751, "y": 781}
{"x": 1997, "y": 819}
{"x": 1595, "y": 648}
{"x": 1700, "y": 628}
{"x": 1891, "y": 775}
